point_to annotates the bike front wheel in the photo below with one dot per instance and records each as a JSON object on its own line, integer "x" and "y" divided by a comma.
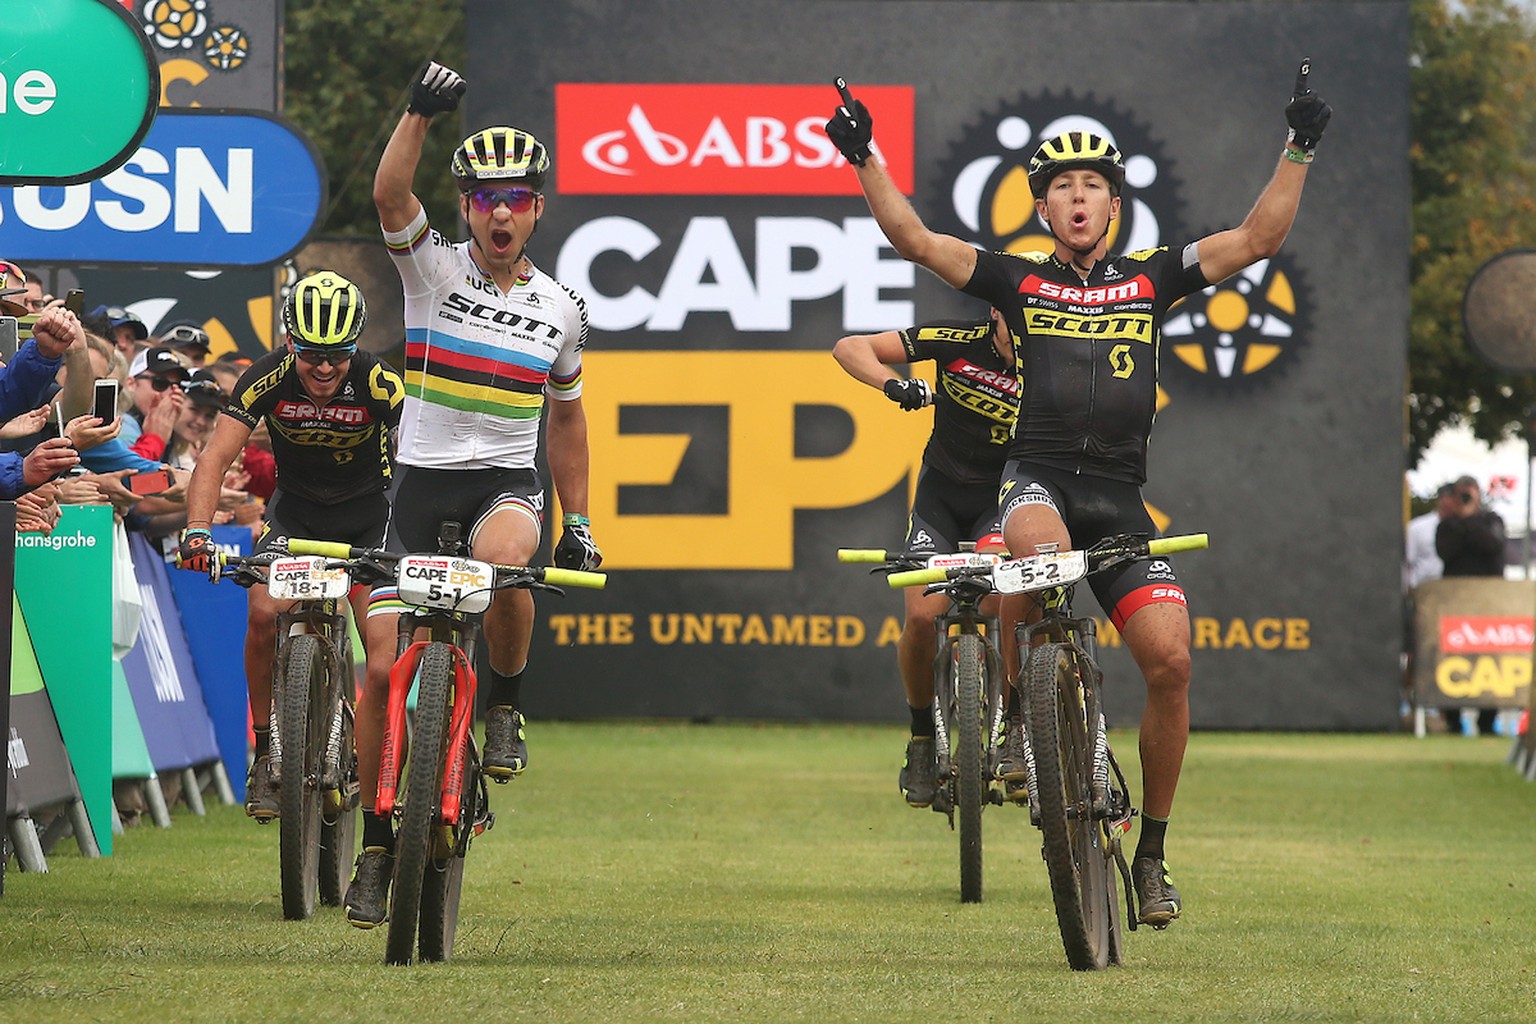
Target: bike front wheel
{"x": 339, "y": 790}
{"x": 1075, "y": 854}
{"x": 418, "y": 803}
{"x": 968, "y": 731}
{"x": 302, "y": 722}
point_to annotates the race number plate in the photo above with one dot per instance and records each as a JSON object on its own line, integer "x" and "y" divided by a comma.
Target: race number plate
{"x": 1053, "y": 569}
{"x": 306, "y": 579}
{"x": 962, "y": 560}
{"x": 439, "y": 581}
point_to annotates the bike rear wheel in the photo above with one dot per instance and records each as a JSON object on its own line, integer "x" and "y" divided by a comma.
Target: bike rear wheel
{"x": 418, "y": 801}
{"x": 1075, "y": 855}
{"x": 968, "y": 732}
{"x": 338, "y": 821}
{"x": 302, "y": 731}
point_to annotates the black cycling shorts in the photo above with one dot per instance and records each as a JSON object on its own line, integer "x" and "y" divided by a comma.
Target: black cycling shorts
{"x": 424, "y": 498}
{"x": 944, "y": 513}
{"x": 1095, "y": 507}
{"x": 357, "y": 521}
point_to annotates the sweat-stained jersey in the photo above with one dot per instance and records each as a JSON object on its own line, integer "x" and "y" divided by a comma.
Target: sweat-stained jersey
{"x": 479, "y": 362}
{"x": 1086, "y": 352}
{"x": 975, "y": 401}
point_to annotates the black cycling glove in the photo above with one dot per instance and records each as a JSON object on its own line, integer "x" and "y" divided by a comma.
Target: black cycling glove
{"x": 912, "y": 393}
{"x": 436, "y": 90}
{"x": 577, "y": 549}
{"x": 851, "y": 131}
{"x": 1307, "y": 114}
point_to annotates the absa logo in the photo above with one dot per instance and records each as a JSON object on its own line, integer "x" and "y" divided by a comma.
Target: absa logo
{"x": 701, "y": 139}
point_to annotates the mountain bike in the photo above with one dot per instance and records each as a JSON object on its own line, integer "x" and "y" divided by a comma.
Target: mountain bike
{"x": 1077, "y": 793}
{"x": 430, "y": 779}
{"x": 968, "y": 697}
{"x": 314, "y": 693}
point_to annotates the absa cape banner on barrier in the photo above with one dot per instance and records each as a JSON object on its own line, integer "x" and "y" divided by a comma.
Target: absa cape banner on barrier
{"x": 722, "y": 246}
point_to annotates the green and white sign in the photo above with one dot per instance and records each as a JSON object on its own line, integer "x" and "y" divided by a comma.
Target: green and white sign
{"x": 79, "y": 87}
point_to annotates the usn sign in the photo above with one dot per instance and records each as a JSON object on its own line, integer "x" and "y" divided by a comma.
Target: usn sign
{"x": 206, "y": 189}
{"x": 70, "y": 112}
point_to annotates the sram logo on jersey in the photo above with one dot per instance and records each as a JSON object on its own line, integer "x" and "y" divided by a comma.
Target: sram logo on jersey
{"x": 1137, "y": 287}
{"x": 1006, "y": 383}
{"x": 297, "y": 411}
{"x": 703, "y": 139}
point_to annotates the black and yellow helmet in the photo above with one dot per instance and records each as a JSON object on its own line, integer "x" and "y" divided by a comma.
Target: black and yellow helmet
{"x": 1070, "y": 151}
{"x": 501, "y": 154}
{"x": 324, "y": 310}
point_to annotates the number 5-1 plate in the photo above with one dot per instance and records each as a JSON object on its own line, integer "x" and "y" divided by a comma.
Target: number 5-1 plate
{"x": 1053, "y": 569}
{"x": 439, "y": 581}
{"x": 306, "y": 579}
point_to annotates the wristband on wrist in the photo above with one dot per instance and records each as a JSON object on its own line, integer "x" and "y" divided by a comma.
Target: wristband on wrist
{"x": 195, "y": 530}
{"x": 1299, "y": 156}
{"x": 574, "y": 519}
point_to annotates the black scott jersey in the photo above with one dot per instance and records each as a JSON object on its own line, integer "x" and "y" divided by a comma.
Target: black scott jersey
{"x": 327, "y": 453}
{"x": 1087, "y": 352}
{"x": 974, "y": 403}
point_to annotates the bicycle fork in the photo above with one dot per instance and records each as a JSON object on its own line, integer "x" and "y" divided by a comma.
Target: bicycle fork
{"x": 401, "y": 675}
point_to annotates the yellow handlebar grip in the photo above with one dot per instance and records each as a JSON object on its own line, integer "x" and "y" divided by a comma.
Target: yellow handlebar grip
{"x": 861, "y": 555}
{"x": 915, "y": 578}
{"x": 1185, "y": 542}
{"x": 575, "y": 578}
{"x": 323, "y": 548}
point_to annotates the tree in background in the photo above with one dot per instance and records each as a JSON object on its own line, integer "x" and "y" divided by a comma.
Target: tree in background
{"x": 347, "y": 74}
{"x": 1473, "y": 166}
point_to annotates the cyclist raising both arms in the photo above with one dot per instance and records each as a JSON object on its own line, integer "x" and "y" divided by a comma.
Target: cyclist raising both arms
{"x": 974, "y": 402}
{"x": 329, "y": 410}
{"x": 1086, "y": 326}
{"x": 488, "y": 338}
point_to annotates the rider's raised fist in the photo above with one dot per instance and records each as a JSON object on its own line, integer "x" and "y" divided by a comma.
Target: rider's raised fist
{"x": 436, "y": 90}
{"x": 1306, "y": 114}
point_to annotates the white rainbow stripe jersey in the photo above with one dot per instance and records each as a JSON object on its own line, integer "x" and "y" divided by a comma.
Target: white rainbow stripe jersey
{"x": 479, "y": 362}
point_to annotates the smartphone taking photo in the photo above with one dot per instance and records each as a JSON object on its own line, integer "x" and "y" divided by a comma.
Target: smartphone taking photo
{"x": 104, "y": 404}
{"x": 10, "y": 337}
{"x": 153, "y": 482}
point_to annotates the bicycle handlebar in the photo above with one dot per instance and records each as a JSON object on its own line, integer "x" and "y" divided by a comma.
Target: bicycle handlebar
{"x": 862, "y": 555}
{"x": 575, "y": 578}
{"x": 552, "y": 575}
{"x": 323, "y": 548}
{"x": 1184, "y": 542}
{"x": 917, "y": 578}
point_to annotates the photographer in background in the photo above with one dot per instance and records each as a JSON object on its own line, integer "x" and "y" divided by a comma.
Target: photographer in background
{"x": 1470, "y": 541}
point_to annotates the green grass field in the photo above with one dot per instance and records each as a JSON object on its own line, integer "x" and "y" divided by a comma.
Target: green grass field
{"x": 671, "y": 872}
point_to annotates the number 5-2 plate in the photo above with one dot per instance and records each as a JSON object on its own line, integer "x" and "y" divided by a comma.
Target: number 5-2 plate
{"x": 306, "y": 579}
{"x": 441, "y": 581}
{"x": 1052, "y": 569}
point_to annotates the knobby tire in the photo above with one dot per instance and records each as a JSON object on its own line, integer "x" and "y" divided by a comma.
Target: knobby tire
{"x": 301, "y": 725}
{"x": 1074, "y": 849}
{"x": 422, "y": 791}
{"x": 338, "y": 822}
{"x": 968, "y": 731}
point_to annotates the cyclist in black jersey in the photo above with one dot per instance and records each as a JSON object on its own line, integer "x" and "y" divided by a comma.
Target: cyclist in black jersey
{"x": 1086, "y": 327}
{"x": 329, "y": 410}
{"x": 974, "y": 399}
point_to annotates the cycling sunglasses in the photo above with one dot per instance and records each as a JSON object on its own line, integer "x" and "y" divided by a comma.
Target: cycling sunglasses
{"x": 316, "y": 356}
{"x": 11, "y": 276}
{"x": 185, "y": 334}
{"x": 518, "y": 200}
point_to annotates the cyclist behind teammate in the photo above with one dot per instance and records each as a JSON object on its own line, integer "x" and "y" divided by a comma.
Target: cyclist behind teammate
{"x": 490, "y": 340}
{"x": 974, "y": 400}
{"x": 330, "y": 410}
{"x": 1078, "y": 457}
